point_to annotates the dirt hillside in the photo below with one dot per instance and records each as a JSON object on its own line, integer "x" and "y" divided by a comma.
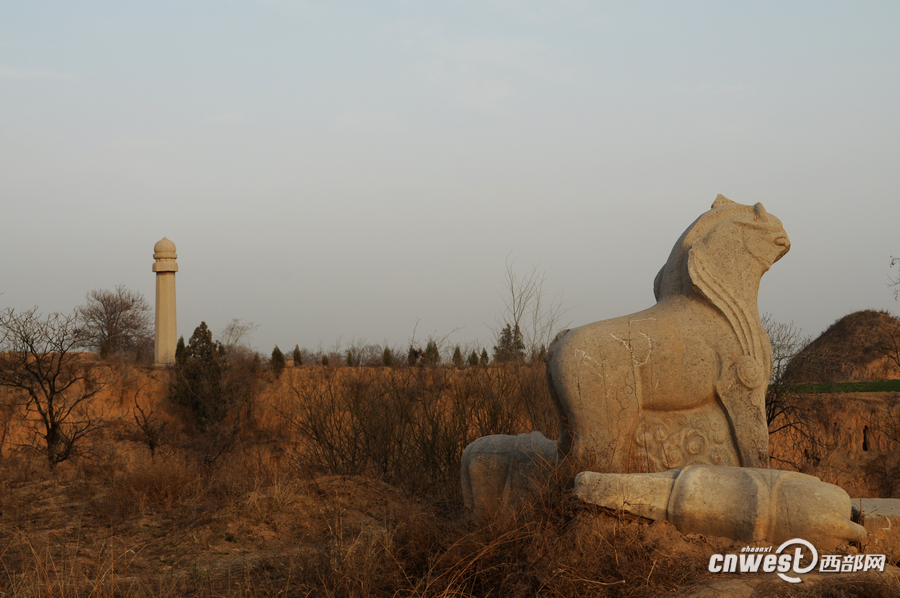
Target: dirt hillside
{"x": 861, "y": 346}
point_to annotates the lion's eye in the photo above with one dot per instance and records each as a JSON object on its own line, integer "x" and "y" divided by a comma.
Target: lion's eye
{"x": 781, "y": 241}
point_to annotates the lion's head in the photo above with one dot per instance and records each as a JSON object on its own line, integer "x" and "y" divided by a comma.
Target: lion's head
{"x": 726, "y": 224}
{"x": 721, "y": 257}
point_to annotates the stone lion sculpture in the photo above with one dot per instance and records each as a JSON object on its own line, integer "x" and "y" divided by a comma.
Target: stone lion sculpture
{"x": 684, "y": 381}
{"x": 669, "y": 403}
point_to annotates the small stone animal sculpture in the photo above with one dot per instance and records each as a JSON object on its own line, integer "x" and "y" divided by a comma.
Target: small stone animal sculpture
{"x": 683, "y": 381}
{"x": 499, "y": 471}
{"x": 740, "y": 503}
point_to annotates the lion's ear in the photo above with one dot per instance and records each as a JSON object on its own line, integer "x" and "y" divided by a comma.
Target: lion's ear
{"x": 721, "y": 200}
{"x": 760, "y": 212}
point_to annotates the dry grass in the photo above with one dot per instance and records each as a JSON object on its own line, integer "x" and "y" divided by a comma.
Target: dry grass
{"x": 168, "y": 528}
{"x": 341, "y": 483}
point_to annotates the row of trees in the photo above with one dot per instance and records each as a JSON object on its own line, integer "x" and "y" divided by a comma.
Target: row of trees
{"x": 510, "y": 349}
{"x": 119, "y": 323}
{"x": 523, "y": 331}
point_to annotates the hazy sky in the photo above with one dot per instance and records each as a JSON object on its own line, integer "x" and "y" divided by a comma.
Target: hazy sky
{"x": 341, "y": 171}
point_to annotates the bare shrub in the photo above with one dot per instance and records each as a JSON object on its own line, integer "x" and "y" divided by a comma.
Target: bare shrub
{"x": 153, "y": 429}
{"x": 55, "y": 385}
{"x": 894, "y": 283}
{"x": 366, "y": 354}
{"x": 549, "y": 546}
{"x": 409, "y": 426}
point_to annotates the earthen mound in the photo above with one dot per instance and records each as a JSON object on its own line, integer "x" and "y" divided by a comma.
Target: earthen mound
{"x": 861, "y": 346}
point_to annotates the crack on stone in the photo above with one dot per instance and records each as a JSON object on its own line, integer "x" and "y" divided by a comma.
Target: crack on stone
{"x": 649, "y": 353}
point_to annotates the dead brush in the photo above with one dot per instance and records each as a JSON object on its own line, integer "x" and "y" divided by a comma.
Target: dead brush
{"x": 522, "y": 554}
{"x": 22, "y": 477}
{"x": 549, "y": 545}
{"x": 149, "y": 486}
{"x": 406, "y": 426}
{"x": 357, "y": 562}
{"x": 299, "y": 524}
{"x": 97, "y": 569}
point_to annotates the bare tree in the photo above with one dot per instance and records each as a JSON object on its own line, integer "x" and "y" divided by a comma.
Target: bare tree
{"x": 364, "y": 353}
{"x": 116, "y": 322}
{"x": 528, "y": 313}
{"x": 787, "y": 341}
{"x": 788, "y": 413}
{"x": 235, "y": 339}
{"x": 39, "y": 361}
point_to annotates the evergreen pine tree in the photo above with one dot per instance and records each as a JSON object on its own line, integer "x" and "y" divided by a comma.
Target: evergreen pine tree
{"x": 179, "y": 350}
{"x": 510, "y": 346}
{"x": 432, "y": 355}
{"x": 387, "y": 358}
{"x": 325, "y": 361}
{"x": 350, "y": 362}
{"x": 412, "y": 358}
{"x": 298, "y": 357}
{"x": 484, "y": 357}
{"x": 457, "y": 357}
{"x": 198, "y": 380}
{"x": 473, "y": 358}
{"x": 278, "y": 361}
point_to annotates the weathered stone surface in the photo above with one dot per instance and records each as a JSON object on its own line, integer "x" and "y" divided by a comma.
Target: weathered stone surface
{"x": 166, "y": 329}
{"x": 881, "y": 518}
{"x": 499, "y": 470}
{"x": 744, "y": 504}
{"x": 683, "y": 381}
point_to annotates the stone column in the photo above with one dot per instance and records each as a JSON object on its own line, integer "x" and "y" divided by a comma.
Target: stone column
{"x": 166, "y": 331}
